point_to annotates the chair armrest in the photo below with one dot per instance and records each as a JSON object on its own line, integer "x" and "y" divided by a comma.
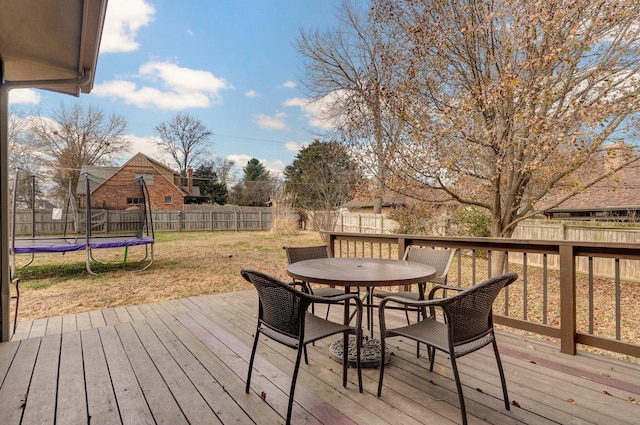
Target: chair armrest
{"x": 412, "y": 303}
{"x": 444, "y": 288}
{"x": 338, "y": 299}
{"x": 303, "y": 285}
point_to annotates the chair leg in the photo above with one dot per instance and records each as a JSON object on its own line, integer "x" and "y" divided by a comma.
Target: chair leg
{"x": 432, "y": 357}
{"x": 358, "y": 353}
{"x": 253, "y": 355}
{"x": 456, "y": 375}
{"x": 293, "y": 384}
{"x": 502, "y": 377}
{"x": 345, "y": 358}
{"x": 382, "y": 350}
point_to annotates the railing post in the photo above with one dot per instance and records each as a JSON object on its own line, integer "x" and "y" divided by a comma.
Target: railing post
{"x": 402, "y": 247}
{"x": 567, "y": 299}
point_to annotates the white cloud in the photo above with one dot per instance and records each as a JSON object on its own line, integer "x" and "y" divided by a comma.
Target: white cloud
{"x": 180, "y": 88}
{"x": 251, "y": 93}
{"x": 276, "y": 122}
{"x": 294, "y": 147}
{"x": 289, "y": 85}
{"x": 24, "y": 96}
{"x": 123, "y": 20}
{"x": 316, "y": 111}
{"x": 146, "y": 145}
{"x": 275, "y": 166}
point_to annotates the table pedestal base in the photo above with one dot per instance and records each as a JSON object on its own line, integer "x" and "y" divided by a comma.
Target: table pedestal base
{"x": 369, "y": 352}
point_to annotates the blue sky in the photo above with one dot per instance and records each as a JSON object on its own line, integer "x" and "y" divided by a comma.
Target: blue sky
{"x": 231, "y": 63}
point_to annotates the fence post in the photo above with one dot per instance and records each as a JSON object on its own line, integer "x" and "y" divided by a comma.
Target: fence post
{"x": 179, "y": 221}
{"x": 235, "y": 215}
{"x": 567, "y": 299}
{"x": 260, "y": 218}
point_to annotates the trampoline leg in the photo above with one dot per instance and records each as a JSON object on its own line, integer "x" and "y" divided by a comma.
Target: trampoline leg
{"x": 124, "y": 263}
{"x": 89, "y": 263}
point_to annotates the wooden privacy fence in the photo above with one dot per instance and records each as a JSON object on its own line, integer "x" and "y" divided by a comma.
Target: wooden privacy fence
{"x": 364, "y": 223}
{"x": 117, "y": 221}
{"x": 580, "y": 231}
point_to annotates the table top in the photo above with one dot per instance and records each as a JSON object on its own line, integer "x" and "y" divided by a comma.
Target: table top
{"x": 360, "y": 271}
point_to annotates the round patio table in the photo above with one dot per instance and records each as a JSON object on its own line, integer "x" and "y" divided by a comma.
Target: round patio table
{"x": 360, "y": 272}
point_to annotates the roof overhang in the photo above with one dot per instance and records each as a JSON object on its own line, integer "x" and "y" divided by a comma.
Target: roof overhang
{"x": 52, "y": 45}
{"x": 46, "y": 44}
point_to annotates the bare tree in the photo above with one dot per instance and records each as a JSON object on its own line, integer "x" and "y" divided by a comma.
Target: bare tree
{"x": 223, "y": 169}
{"x": 75, "y": 136}
{"x": 185, "y": 138}
{"x": 345, "y": 73}
{"x": 505, "y": 102}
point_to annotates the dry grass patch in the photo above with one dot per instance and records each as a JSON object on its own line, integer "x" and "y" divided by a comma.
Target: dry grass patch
{"x": 185, "y": 264}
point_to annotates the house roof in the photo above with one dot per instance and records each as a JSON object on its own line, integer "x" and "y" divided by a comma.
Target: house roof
{"x": 97, "y": 176}
{"x": 620, "y": 191}
{"x": 52, "y": 45}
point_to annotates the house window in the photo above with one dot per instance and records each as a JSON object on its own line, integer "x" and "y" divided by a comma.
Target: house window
{"x": 148, "y": 178}
{"x": 168, "y": 200}
{"x": 135, "y": 201}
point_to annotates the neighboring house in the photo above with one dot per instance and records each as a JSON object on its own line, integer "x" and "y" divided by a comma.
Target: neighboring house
{"x": 616, "y": 198}
{"x": 114, "y": 188}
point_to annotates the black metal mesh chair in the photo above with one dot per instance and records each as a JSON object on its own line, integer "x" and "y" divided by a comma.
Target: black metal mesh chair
{"x": 295, "y": 254}
{"x": 283, "y": 317}
{"x": 440, "y": 259}
{"x": 467, "y": 326}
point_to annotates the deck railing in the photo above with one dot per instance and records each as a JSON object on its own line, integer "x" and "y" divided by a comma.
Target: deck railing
{"x": 552, "y": 297}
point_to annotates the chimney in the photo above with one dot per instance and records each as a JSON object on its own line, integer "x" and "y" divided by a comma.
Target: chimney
{"x": 190, "y": 179}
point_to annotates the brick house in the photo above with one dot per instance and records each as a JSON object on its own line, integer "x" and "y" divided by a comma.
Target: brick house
{"x": 116, "y": 188}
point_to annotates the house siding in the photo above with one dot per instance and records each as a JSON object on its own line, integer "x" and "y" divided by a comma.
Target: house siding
{"x": 113, "y": 193}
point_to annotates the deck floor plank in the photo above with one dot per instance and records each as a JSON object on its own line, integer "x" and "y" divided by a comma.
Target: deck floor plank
{"x": 101, "y": 400}
{"x": 15, "y": 387}
{"x": 41, "y": 407}
{"x": 69, "y": 323}
{"x": 83, "y": 321}
{"x": 185, "y": 361}
{"x": 71, "y": 384}
{"x": 97, "y": 319}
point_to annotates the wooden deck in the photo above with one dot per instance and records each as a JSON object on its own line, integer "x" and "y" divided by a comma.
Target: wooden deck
{"x": 185, "y": 361}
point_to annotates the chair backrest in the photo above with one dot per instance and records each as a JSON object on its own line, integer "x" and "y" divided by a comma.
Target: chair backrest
{"x": 282, "y": 307}
{"x": 295, "y": 253}
{"x": 469, "y": 313}
{"x": 440, "y": 259}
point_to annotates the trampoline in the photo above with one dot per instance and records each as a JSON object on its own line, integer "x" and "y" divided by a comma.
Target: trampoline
{"x": 139, "y": 232}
